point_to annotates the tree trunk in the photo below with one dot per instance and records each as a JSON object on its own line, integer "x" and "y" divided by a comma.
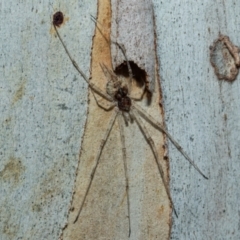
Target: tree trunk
{"x": 51, "y": 123}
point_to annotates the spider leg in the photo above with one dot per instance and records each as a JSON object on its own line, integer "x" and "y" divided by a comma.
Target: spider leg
{"x": 153, "y": 147}
{"x": 121, "y": 47}
{"x": 102, "y": 103}
{"x": 103, "y": 141}
{"x": 97, "y": 22}
{"x": 159, "y": 126}
{"x": 140, "y": 97}
{"x": 110, "y": 75}
{"x": 91, "y": 85}
{"x": 120, "y": 123}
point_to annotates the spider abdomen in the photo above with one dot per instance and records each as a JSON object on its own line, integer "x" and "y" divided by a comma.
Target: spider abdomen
{"x": 124, "y": 102}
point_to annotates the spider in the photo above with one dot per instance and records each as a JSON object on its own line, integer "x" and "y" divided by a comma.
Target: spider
{"x": 124, "y": 108}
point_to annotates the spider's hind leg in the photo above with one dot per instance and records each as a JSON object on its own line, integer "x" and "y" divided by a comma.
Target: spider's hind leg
{"x": 159, "y": 126}
{"x": 155, "y": 153}
{"x": 97, "y": 160}
{"x": 120, "y": 123}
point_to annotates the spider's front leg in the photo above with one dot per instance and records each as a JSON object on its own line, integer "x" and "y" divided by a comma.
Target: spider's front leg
{"x": 91, "y": 85}
{"x": 123, "y": 50}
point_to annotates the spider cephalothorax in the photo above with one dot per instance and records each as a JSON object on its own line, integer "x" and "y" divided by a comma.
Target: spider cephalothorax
{"x": 124, "y": 102}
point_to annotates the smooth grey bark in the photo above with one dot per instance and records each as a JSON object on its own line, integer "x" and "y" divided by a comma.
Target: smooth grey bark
{"x": 203, "y": 115}
{"x": 44, "y": 106}
{"x": 43, "y": 112}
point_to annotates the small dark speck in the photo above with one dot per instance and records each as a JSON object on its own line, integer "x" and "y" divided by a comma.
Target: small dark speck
{"x": 58, "y": 18}
{"x": 225, "y": 117}
{"x": 165, "y": 157}
{"x": 63, "y": 106}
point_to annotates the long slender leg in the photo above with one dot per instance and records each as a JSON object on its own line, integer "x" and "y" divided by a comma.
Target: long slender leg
{"x": 103, "y": 141}
{"x": 91, "y": 85}
{"x": 151, "y": 143}
{"x": 122, "y": 50}
{"x": 128, "y": 64}
{"x": 159, "y": 126}
{"x": 120, "y": 123}
{"x": 110, "y": 75}
{"x": 102, "y": 103}
{"x": 140, "y": 97}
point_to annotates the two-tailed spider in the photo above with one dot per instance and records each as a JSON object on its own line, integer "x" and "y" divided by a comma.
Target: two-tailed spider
{"x": 124, "y": 108}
